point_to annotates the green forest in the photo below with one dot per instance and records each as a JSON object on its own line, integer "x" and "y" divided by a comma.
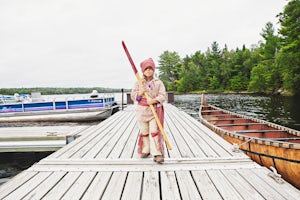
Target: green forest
{"x": 271, "y": 67}
{"x": 53, "y": 90}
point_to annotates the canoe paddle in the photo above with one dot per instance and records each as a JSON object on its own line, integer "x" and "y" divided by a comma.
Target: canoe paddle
{"x": 147, "y": 96}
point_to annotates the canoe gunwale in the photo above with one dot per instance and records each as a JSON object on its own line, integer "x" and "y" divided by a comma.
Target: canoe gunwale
{"x": 264, "y": 141}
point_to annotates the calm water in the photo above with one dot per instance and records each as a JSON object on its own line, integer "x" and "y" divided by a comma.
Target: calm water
{"x": 277, "y": 109}
{"x": 13, "y": 163}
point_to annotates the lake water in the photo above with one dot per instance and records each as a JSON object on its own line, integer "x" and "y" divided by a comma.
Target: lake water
{"x": 278, "y": 109}
{"x": 281, "y": 110}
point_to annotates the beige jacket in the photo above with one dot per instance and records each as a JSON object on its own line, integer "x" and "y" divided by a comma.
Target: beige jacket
{"x": 156, "y": 90}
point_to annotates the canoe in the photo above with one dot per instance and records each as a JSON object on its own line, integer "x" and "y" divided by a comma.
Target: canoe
{"x": 271, "y": 145}
{"x": 68, "y": 110}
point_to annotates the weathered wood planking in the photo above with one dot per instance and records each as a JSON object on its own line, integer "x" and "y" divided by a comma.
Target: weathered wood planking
{"x": 103, "y": 164}
{"x": 45, "y": 138}
{"x": 39, "y": 131}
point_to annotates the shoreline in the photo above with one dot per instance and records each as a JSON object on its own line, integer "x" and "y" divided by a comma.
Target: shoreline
{"x": 232, "y": 92}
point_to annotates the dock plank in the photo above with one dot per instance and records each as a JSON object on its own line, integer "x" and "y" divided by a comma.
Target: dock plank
{"x": 79, "y": 187}
{"x": 132, "y": 188}
{"x": 288, "y": 191}
{"x": 116, "y": 152}
{"x": 188, "y": 140}
{"x": 241, "y": 185}
{"x": 45, "y": 186}
{"x": 223, "y": 186}
{"x": 104, "y": 140}
{"x": 90, "y": 134}
{"x": 179, "y": 141}
{"x": 27, "y": 187}
{"x": 96, "y": 136}
{"x": 208, "y": 135}
{"x": 61, "y": 188}
{"x": 151, "y": 186}
{"x": 15, "y": 183}
{"x": 130, "y": 148}
{"x": 169, "y": 186}
{"x": 115, "y": 186}
{"x": 212, "y": 146}
{"x": 260, "y": 185}
{"x": 206, "y": 187}
{"x": 80, "y": 144}
{"x": 188, "y": 189}
{"x": 175, "y": 150}
{"x": 98, "y": 186}
{"x": 200, "y": 148}
{"x": 113, "y": 140}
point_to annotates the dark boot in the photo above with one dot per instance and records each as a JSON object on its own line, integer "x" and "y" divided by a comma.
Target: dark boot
{"x": 144, "y": 155}
{"x": 159, "y": 159}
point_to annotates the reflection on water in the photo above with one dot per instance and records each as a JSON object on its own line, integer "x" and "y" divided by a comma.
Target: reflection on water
{"x": 277, "y": 109}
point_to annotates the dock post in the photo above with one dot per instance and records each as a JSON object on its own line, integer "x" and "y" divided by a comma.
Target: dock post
{"x": 122, "y": 90}
{"x": 171, "y": 97}
{"x": 129, "y": 100}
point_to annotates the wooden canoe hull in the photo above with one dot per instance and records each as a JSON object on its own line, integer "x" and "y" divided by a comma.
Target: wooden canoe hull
{"x": 283, "y": 156}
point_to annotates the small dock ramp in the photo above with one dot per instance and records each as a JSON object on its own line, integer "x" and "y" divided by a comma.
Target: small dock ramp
{"x": 103, "y": 164}
{"x": 37, "y": 139}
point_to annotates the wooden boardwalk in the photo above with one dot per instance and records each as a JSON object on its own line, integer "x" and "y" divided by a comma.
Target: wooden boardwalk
{"x": 103, "y": 164}
{"x": 34, "y": 139}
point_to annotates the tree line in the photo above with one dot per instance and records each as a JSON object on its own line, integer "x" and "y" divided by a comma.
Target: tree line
{"x": 54, "y": 90}
{"x": 272, "y": 66}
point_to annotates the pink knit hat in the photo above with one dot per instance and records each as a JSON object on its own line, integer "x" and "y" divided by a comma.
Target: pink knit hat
{"x": 147, "y": 63}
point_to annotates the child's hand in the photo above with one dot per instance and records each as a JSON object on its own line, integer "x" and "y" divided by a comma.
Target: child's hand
{"x": 152, "y": 101}
{"x": 142, "y": 90}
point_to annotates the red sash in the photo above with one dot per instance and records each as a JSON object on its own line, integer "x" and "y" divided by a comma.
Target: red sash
{"x": 143, "y": 102}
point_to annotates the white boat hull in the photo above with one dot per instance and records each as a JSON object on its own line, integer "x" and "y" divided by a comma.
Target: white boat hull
{"x": 59, "y": 116}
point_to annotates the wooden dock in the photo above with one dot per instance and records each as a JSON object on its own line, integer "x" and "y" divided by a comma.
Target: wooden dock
{"x": 35, "y": 139}
{"x": 104, "y": 164}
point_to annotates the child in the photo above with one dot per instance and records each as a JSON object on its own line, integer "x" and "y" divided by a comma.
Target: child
{"x": 150, "y": 138}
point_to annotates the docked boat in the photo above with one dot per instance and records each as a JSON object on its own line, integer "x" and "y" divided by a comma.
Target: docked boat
{"x": 4, "y": 99}
{"x": 274, "y": 146}
{"x": 68, "y": 110}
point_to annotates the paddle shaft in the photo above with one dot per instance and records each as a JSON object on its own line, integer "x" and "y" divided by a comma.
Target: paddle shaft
{"x": 147, "y": 96}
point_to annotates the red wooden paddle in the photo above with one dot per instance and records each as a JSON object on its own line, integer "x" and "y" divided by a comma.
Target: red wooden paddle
{"x": 147, "y": 96}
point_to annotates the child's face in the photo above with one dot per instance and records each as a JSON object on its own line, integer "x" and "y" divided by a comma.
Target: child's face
{"x": 148, "y": 72}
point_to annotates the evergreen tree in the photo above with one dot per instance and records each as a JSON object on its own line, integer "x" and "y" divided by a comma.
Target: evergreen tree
{"x": 289, "y": 56}
{"x": 270, "y": 76}
{"x": 271, "y": 45}
{"x": 258, "y": 81}
{"x": 214, "y": 58}
{"x": 169, "y": 68}
{"x": 190, "y": 78}
{"x": 202, "y": 66}
{"x": 226, "y": 67}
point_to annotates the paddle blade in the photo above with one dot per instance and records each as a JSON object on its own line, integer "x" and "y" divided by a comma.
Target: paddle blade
{"x": 129, "y": 58}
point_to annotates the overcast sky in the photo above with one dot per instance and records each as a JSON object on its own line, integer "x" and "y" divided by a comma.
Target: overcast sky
{"x": 77, "y": 43}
